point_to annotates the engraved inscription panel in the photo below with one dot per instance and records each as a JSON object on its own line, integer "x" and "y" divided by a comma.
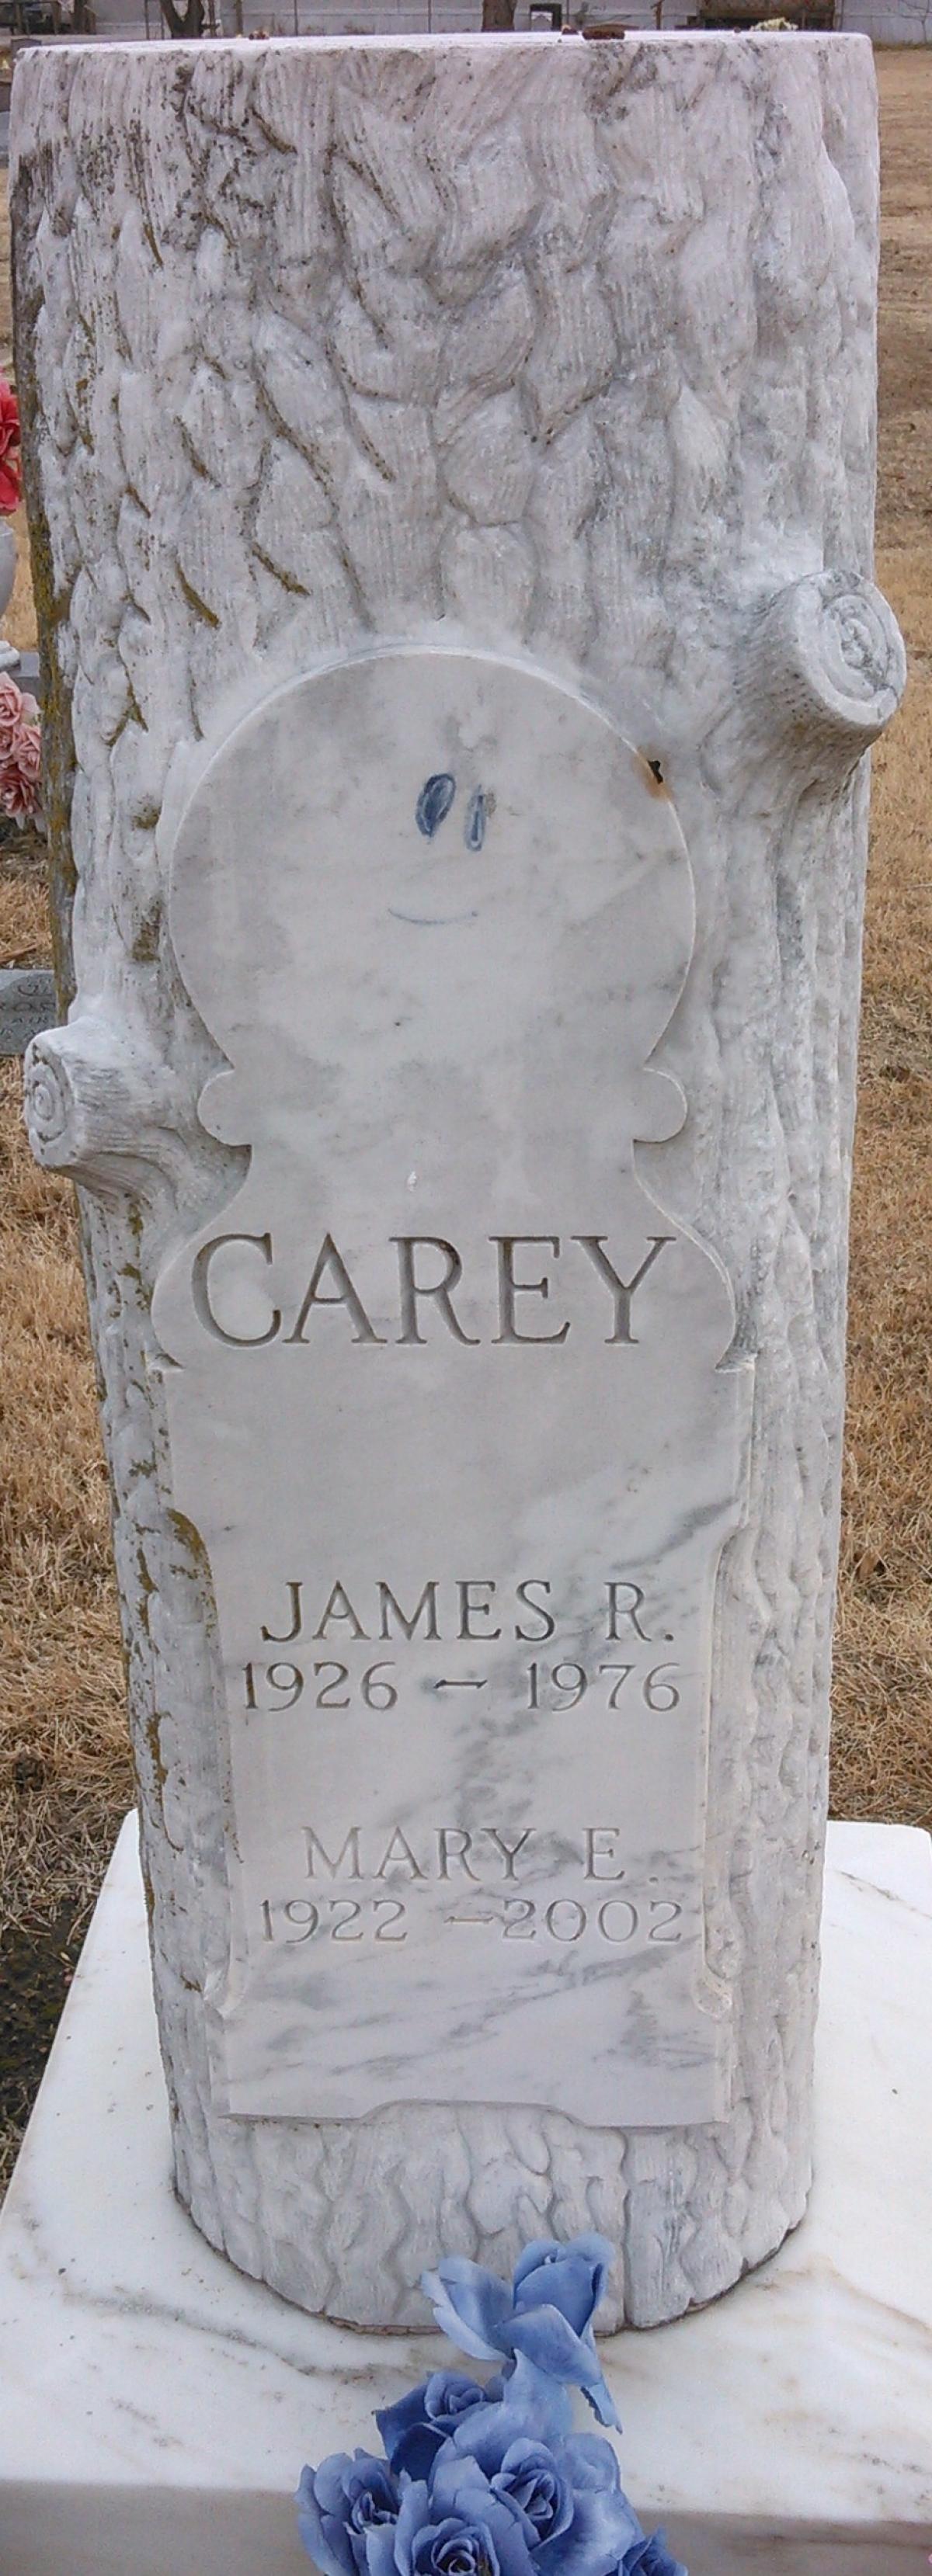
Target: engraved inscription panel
{"x": 447, "y": 1405}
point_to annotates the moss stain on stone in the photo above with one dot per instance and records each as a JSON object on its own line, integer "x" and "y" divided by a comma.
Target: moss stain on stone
{"x": 145, "y": 948}
{"x": 194, "y": 600}
{"x": 153, "y": 1737}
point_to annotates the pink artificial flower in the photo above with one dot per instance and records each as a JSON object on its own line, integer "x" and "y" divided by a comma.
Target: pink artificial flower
{"x": 13, "y": 708}
{"x": 10, "y": 482}
{"x": 20, "y": 772}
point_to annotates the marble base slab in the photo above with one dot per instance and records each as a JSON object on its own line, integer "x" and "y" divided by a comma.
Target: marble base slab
{"x": 157, "y": 2406}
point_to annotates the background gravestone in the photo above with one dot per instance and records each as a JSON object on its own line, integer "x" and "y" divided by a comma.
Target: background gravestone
{"x": 548, "y": 371}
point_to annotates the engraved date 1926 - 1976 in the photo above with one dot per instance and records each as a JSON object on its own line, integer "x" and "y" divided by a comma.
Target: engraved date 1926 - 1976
{"x": 476, "y": 1617}
{"x": 330, "y": 1685}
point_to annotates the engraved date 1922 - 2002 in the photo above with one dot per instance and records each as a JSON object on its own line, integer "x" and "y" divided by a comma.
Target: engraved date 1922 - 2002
{"x": 451, "y": 1855}
{"x": 618, "y": 1919}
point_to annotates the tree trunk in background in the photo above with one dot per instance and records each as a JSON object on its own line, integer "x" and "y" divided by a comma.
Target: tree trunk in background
{"x": 185, "y": 22}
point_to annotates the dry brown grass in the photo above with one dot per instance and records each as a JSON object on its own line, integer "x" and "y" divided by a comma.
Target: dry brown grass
{"x": 882, "y": 1740}
{"x": 63, "y": 1727}
{"x": 64, "y": 1769}
{"x": 64, "y": 1765}
{"x": 65, "y": 1776}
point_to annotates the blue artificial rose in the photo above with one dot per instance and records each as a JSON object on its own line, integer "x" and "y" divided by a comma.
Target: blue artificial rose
{"x": 569, "y": 2277}
{"x": 546, "y": 2316}
{"x": 414, "y": 2430}
{"x": 530, "y": 2477}
{"x": 458, "y": 2528}
{"x": 557, "y": 2289}
{"x": 454, "y": 2548}
{"x": 341, "y": 2506}
{"x": 650, "y": 2556}
{"x": 567, "y": 2492}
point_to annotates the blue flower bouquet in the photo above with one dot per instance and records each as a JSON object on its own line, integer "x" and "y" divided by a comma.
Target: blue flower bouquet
{"x": 491, "y": 2480}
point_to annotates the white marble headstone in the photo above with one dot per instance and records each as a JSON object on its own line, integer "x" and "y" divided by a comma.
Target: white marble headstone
{"x": 448, "y": 1415}
{"x": 451, "y": 482}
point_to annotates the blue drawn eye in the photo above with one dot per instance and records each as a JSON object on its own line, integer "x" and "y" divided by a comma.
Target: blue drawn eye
{"x": 477, "y": 814}
{"x": 434, "y": 802}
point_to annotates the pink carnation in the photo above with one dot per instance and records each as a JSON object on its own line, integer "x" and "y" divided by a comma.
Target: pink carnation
{"x": 19, "y": 771}
{"x": 10, "y": 484}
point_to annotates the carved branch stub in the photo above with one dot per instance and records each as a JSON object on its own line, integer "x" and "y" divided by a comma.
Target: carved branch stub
{"x": 822, "y": 674}
{"x": 109, "y": 1114}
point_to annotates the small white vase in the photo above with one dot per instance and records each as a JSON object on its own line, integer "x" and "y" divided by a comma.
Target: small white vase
{"x": 7, "y": 565}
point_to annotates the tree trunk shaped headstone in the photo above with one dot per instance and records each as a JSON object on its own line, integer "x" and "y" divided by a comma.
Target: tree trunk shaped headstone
{"x": 450, "y": 473}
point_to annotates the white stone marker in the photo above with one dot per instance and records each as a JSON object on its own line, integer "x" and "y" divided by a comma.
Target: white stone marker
{"x": 464, "y": 1588}
{"x": 155, "y": 2402}
{"x": 451, "y": 478}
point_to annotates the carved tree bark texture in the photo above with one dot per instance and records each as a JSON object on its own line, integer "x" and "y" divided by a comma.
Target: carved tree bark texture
{"x": 565, "y": 349}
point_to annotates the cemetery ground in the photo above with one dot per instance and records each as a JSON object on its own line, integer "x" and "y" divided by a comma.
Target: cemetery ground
{"x": 64, "y": 1765}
